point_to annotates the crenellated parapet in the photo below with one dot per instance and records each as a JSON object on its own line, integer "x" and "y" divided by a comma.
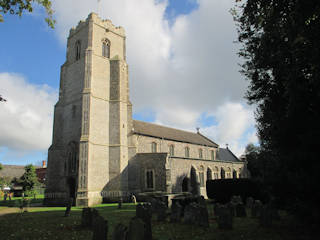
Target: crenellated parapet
{"x": 105, "y": 23}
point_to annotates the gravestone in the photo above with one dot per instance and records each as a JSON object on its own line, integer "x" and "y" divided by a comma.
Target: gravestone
{"x": 120, "y": 232}
{"x": 203, "y": 218}
{"x": 68, "y": 207}
{"x": 95, "y": 214}
{"x": 189, "y": 214}
{"x": 161, "y": 211}
{"x": 136, "y": 229}
{"x": 120, "y": 203}
{"x": 86, "y": 217}
{"x": 100, "y": 229}
{"x": 216, "y": 208}
{"x": 256, "y": 209}
{"x": 201, "y": 201}
{"x": 249, "y": 202}
{"x": 265, "y": 216}
{"x": 232, "y": 208}
{"x": 241, "y": 210}
{"x": 176, "y": 211}
{"x": 225, "y": 218}
{"x": 144, "y": 212}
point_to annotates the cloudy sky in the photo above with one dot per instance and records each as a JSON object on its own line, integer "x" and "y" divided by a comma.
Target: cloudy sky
{"x": 183, "y": 66}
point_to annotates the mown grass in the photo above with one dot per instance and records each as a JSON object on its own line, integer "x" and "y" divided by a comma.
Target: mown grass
{"x": 50, "y": 223}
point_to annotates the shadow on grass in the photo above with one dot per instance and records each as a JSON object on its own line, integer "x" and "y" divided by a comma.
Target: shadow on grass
{"x": 50, "y": 223}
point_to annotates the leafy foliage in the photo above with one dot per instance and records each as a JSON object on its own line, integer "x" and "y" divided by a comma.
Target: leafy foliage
{"x": 29, "y": 179}
{"x": 281, "y": 50}
{"x": 17, "y": 7}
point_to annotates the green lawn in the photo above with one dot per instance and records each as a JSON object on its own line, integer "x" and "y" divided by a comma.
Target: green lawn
{"x": 50, "y": 223}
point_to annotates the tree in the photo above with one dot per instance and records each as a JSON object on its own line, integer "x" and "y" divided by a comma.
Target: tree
{"x": 17, "y": 7}
{"x": 29, "y": 179}
{"x": 281, "y": 55}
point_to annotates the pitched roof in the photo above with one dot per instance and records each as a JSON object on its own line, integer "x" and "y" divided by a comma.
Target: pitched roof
{"x": 12, "y": 171}
{"x": 154, "y": 130}
{"x": 224, "y": 154}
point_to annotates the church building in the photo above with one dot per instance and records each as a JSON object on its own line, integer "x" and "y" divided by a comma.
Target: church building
{"x": 98, "y": 151}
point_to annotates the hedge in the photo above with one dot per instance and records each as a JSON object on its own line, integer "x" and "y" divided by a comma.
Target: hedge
{"x": 221, "y": 190}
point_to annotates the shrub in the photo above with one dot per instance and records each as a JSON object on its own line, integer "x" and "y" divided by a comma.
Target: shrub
{"x": 221, "y": 190}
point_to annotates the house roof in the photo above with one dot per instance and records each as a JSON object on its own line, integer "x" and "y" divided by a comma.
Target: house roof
{"x": 12, "y": 171}
{"x": 224, "y": 154}
{"x": 154, "y": 130}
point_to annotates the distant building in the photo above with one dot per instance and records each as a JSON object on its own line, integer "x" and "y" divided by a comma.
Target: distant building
{"x": 98, "y": 151}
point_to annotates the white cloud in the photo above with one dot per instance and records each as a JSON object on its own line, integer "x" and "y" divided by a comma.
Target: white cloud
{"x": 26, "y": 116}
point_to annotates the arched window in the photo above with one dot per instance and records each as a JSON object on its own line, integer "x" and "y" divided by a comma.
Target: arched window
{"x": 150, "y": 179}
{"x": 228, "y": 173}
{"x": 234, "y": 174}
{"x": 106, "y": 48}
{"x": 78, "y": 50}
{"x": 187, "y": 152}
{"x": 200, "y": 153}
{"x": 201, "y": 176}
{"x": 171, "y": 150}
{"x": 222, "y": 173}
{"x": 154, "y": 147}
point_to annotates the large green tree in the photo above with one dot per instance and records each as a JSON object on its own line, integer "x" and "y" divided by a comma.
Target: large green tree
{"x": 29, "y": 179}
{"x": 19, "y": 6}
{"x": 281, "y": 51}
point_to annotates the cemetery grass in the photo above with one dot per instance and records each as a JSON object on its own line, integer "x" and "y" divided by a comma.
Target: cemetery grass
{"x": 50, "y": 223}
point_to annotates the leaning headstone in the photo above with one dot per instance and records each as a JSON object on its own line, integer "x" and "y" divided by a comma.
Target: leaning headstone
{"x": 249, "y": 202}
{"x": 225, "y": 218}
{"x": 144, "y": 212}
{"x": 68, "y": 207}
{"x": 136, "y": 229}
{"x": 100, "y": 229}
{"x": 256, "y": 209}
{"x": 86, "y": 217}
{"x": 120, "y": 232}
{"x": 266, "y": 216}
{"x": 176, "y": 211}
{"x": 241, "y": 210}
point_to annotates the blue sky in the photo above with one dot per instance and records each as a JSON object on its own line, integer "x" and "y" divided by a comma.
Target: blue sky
{"x": 187, "y": 85}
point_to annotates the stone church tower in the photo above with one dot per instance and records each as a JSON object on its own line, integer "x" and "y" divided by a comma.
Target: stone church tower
{"x": 93, "y": 117}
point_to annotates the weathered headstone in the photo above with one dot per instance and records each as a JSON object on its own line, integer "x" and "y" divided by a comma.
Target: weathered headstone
{"x": 232, "y": 208}
{"x": 249, "y": 202}
{"x": 241, "y": 210}
{"x": 225, "y": 218}
{"x": 176, "y": 211}
{"x": 203, "y": 219}
{"x": 100, "y": 229}
{"x": 266, "y": 216}
{"x": 136, "y": 229}
{"x": 161, "y": 212}
{"x": 95, "y": 214}
{"x": 86, "y": 217}
{"x": 120, "y": 232}
{"x": 68, "y": 207}
{"x": 144, "y": 212}
{"x": 201, "y": 201}
{"x": 189, "y": 214}
{"x": 216, "y": 208}
{"x": 256, "y": 209}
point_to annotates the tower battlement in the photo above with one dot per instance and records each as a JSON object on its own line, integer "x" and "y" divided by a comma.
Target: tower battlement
{"x": 105, "y": 23}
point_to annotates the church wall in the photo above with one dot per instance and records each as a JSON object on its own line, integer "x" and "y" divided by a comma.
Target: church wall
{"x": 180, "y": 168}
{"x": 144, "y": 146}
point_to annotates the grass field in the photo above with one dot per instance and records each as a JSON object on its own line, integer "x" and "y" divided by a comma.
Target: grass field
{"x": 50, "y": 223}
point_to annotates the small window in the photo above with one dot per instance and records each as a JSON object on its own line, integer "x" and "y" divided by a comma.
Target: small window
{"x": 106, "y": 48}
{"x": 200, "y": 153}
{"x": 149, "y": 179}
{"x": 78, "y": 50}
{"x": 187, "y": 152}
{"x": 212, "y": 155}
{"x": 154, "y": 147}
{"x": 209, "y": 174}
{"x": 171, "y": 150}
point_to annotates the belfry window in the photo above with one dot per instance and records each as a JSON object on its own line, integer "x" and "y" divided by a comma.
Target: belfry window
{"x": 78, "y": 50}
{"x": 106, "y": 48}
